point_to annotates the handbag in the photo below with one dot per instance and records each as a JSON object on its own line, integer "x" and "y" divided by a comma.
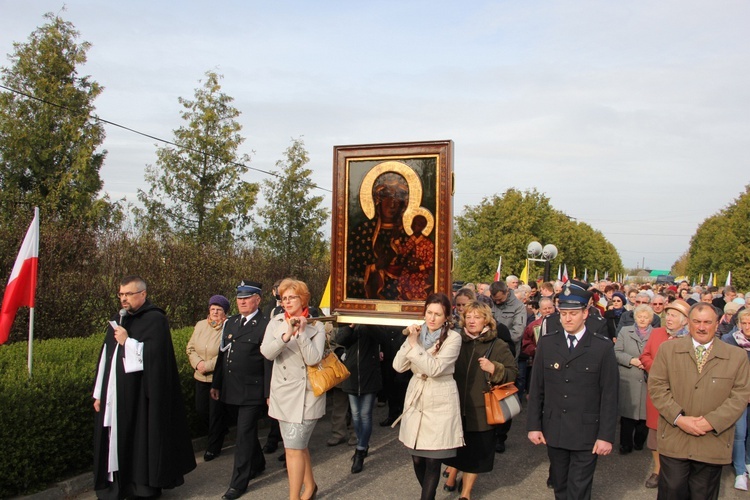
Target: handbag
{"x": 327, "y": 374}
{"x": 501, "y": 402}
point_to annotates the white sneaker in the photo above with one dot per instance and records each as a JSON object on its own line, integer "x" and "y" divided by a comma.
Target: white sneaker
{"x": 740, "y": 483}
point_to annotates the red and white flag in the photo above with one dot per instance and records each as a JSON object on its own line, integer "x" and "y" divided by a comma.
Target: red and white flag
{"x": 565, "y": 278}
{"x": 499, "y": 265}
{"x": 21, "y": 287}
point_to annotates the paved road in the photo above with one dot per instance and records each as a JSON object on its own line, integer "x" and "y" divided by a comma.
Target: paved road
{"x": 520, "y": 472}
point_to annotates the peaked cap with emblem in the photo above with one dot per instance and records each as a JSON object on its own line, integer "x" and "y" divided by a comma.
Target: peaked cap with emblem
{"x": 248, "y": 288}
{"x": 574, "y": 295}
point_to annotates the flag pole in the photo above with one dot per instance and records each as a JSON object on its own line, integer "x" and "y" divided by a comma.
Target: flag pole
{"x": 31, "y": 309}
{"x": 31, "y": 337}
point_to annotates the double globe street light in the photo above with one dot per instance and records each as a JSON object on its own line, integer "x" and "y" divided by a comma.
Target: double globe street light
{"x": 547, "y": 253}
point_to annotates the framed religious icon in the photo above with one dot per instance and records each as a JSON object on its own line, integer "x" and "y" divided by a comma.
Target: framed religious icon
{"x": 392, "y": 230}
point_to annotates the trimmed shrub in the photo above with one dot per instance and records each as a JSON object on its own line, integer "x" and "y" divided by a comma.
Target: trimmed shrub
{"x": 47, "y": 420}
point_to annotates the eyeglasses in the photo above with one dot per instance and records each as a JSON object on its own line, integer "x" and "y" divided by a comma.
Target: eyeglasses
{"x": 289, "y": 298}
{"x": 129, "y": 294}
{"x": 617, "y": 300}
{"x": 641, "y": 301}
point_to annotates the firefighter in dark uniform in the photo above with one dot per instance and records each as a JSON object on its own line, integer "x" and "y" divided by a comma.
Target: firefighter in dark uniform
{"x": 573, "y": 396}
{"x": 242, "y": 381}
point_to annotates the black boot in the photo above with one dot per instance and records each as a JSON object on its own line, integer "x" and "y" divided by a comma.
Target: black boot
{"x": 359, "y": 461}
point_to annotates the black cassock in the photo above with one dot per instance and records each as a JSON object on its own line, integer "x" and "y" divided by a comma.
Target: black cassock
{"x": 154, "y": 446}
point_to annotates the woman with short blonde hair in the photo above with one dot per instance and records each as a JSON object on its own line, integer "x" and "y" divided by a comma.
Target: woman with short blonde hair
{"x": 633, "y": 379}
{"x": 293, "y": 343}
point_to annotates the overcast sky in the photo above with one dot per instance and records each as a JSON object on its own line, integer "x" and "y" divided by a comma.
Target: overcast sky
{"x": 631, "y": 116}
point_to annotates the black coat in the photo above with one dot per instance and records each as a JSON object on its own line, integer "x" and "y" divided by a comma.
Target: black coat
{"x": 362, "y": 359}
{"x": 472, "y": 381}
{"x": 573, "y": 396}
{"x": 154, "y": 444}
{"x": 612, "y": 321}
{"x": 242, "y": 375}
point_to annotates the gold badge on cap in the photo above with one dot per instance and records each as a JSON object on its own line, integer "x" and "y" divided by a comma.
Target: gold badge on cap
{"x": 567, "y": 291}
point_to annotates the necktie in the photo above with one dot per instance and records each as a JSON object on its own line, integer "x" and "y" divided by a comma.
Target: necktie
{"x": 571, "y": 340}
{"x": 244, "y": 321}
{"x": 700, "y": 351}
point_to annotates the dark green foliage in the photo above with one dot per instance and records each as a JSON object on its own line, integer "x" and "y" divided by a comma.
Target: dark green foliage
{"x": 503, "y": 226}
{"x": 197, "y": 190}
{"x": 49, "y": 151}
{"x": 79, "y": 273}
{"x": 722, "y": 244}
{"x": 48, "y": 420}
{"x": 291, "y": 222}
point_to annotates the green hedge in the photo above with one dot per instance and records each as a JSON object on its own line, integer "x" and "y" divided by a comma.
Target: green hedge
{"x": 46, "y": 422}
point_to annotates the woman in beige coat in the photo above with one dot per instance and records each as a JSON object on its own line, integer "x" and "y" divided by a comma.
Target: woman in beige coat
{"x": 293, "y": 344}
{"x": 202, "y": 351}
{"x": 431, "y": 424}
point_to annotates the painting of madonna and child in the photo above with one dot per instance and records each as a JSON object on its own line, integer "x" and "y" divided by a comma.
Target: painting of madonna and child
{"x": 392, "y": 225}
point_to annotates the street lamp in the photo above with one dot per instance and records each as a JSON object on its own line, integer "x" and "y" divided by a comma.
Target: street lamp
{"x": 547, "y": 253}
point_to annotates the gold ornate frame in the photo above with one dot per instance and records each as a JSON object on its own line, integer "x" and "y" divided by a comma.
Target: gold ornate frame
{"x": 427, "y": 169}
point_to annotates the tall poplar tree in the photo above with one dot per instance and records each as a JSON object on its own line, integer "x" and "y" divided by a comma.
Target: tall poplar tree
{"x": 292, "y": 219}
{"x": 49, "y": 142}
{"x": 197, "y": 187}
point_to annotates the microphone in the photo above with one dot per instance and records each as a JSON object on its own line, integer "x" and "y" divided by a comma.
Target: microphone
{"x": 123, "y": 312}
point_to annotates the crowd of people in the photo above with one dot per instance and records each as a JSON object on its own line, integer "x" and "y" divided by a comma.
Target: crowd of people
{"x": 665, "y": 362}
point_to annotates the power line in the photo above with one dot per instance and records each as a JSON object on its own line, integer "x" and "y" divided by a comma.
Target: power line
{"x": 646, "y": 234}
{"x": 165, "y": 141}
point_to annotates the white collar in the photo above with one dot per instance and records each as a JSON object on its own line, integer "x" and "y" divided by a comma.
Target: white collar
{"x": 707, "y": 345}
{"x": 578, "y": 334}
{"x": 247, "y": 318}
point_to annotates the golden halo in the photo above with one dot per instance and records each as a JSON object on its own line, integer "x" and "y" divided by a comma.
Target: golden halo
{"x": 412, "y": 180}
{"x": 409, "y": 217}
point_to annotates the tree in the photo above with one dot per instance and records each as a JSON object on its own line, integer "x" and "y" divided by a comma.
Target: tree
{"x": 197, "y": 187}
{"x": 503, "y": 226}
{"x": 679, "y": 268}
{"x": 722, "y": 244}
{"x": 48, "y": 137}
{"x": 292, "y": 220}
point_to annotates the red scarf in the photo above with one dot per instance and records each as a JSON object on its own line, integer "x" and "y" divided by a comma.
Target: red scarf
{"x": 305, "y": 313}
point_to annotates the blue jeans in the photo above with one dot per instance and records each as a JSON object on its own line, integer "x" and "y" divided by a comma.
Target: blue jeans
{"x": 741, "y": 450}
{"x": 521, "y": 379}
{"x": 361, "y": 407}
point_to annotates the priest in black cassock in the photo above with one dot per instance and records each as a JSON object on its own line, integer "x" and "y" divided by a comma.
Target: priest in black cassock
{"x": 141, "y": 438}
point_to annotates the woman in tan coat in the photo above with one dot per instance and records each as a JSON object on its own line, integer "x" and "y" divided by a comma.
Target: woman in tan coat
{"x": 202, "y": 351}
{"x": 431, "y": 424}
{"x": 293, "y": 344}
